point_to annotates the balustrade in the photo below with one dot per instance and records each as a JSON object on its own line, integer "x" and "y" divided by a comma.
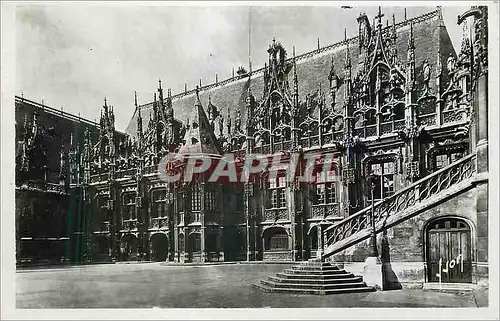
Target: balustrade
{"x": 416, "y": 193}
{"x": 276, "y": 214}
{"x": 129, "y": 225}
{"x": 324, "y": 210}
{"x": 159, "y": 222}
{"x": 428, "y": 119}
{"x": 126, "y": 173}
{"x": 104, "y": 227}
{"x": 454, "y": 115}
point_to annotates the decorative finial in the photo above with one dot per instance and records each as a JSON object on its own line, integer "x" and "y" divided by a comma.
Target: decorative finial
{"x": 318, "y": 43}
{"x": 159, "y": 83}
{"x": 105, "y": 102}
{"x": 405, "y": 13}
{"x": 135, "y": 98}
{"x": 345, "y": 34}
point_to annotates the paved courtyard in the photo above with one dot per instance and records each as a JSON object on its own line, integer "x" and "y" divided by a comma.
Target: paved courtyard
{"x": 144, "y": 285}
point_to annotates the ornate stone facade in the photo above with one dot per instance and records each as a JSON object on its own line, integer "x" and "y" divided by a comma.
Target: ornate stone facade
{"x": 395, "y": 101}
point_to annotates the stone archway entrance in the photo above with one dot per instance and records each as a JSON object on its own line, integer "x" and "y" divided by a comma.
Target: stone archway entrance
{"x": 103, "y": 248}
{"x": 449, "y": 251}
{"x": 129, "y": 247}
{"x": 159, "y": 247}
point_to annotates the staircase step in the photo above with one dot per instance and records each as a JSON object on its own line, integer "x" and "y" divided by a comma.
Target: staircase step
{"x": 300, "y": 279}
{"x": 318, "y": 272}
{"x": 285, "y": 275}
{"x": 316, "y": 286}
{"x": 266, "y": 288}
{"x": 315, "y": 267}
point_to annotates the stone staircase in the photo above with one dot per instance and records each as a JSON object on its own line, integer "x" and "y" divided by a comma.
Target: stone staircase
{"x": 318, "y": 277}
{"x": 314, "y": 277}
{"x": 406, "y": 203}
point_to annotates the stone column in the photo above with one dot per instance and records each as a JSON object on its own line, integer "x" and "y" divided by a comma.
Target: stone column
{"x": 202, "y": 239}
{"x": 220, "y": 246}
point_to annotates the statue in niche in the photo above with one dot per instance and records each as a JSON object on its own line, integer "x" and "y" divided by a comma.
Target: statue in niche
{"x": 451, "y": 64}
{"x": 221, "y": 126}
{"x": 427, "y": 75}
{"x": 237, "y": 126}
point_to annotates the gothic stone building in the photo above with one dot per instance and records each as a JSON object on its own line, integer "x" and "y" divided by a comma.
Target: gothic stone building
{"x": 403, "y": 114}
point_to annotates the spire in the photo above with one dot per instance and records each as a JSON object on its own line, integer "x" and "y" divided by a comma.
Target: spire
{"x": 411, "y": 40}
{"x": 197, "y": 103}
{"x": 439, "y": 65}
{"x": 347, "y": 61}
{"x": 199, "y": 137}
{"x": 379, "y": 18}
{"x": 394, "y": 32}
{"x": 160, "y": 94}
{"x": 228, "y": 122}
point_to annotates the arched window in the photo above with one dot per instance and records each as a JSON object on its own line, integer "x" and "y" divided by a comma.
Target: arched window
{"x": 276, "y": 239}
{"x": 195, "y": 242}
{"x": 158, "y": 206}
{"x": 211, "y": 245}
{"x": 181, "y": 243}
{"x": 313, "y": 238}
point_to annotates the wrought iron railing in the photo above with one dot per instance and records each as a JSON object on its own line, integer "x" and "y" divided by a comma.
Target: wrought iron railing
{"x": 412, "y": 195}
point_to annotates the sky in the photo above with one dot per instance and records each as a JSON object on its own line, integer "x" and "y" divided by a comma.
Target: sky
{"x": 73, "y": 55}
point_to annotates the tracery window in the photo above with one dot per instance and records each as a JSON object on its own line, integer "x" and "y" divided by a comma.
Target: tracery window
{"x": 195, "y": 242}
{"x": 128, "y": 206}
{"x": 210, "y": 199}
{"x": 383, "y": 179}
{"x": 158, "y": 206}
{"x": 443, "y": 160}
{"x": 325, "y": 188}
{"x": 180, "y": 201}
{"x": 277, "y": 192}
{"x": 196, "y": 196}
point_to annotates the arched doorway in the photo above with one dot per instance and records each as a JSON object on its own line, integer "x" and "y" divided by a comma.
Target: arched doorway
{"x": 159, "y": 247}
{"x": 276, "y": 239}
{"x": 313, "y": 241}
{"x": 129, "y": 247}
{"x": 449, "y": 251}
{"x": 103, "y": 247}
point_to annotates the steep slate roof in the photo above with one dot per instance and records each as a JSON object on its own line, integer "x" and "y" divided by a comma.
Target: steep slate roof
{"x": 199, "y": 138}
{"x": 430, "y": 37}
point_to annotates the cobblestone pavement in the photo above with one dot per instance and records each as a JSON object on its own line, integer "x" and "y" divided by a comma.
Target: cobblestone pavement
{"x": 144, "y": 285}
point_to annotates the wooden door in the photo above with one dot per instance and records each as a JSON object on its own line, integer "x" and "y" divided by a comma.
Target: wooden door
{"x": 449, "y": 251}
